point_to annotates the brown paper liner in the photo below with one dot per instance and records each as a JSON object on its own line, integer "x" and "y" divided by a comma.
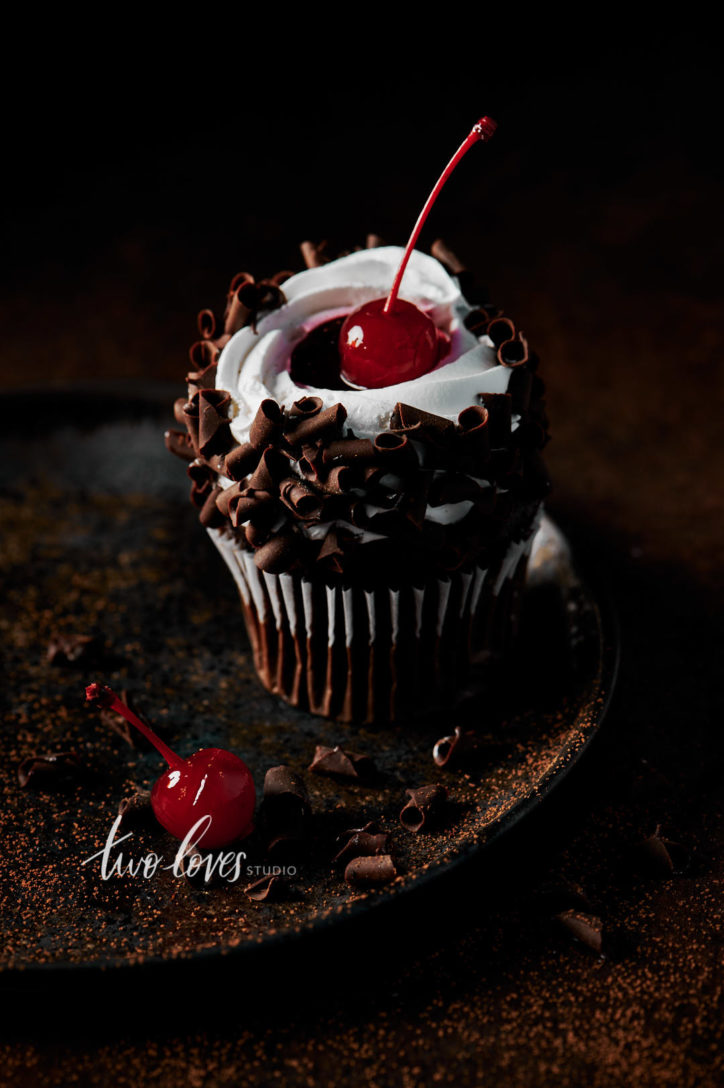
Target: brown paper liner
{"x": 379, "y": 655}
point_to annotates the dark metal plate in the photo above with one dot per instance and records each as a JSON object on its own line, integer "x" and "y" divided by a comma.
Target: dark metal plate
{"x": 98, "y": 537}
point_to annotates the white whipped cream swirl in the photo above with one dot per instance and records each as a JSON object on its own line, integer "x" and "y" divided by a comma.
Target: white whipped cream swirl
{"x": 255, "y": 365}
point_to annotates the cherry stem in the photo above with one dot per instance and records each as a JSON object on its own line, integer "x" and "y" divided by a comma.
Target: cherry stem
{"x": 107, "y": 699}
{"x": 481, "y": 130}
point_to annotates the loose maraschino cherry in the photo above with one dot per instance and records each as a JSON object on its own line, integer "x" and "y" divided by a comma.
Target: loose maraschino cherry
{"x": 387, "y": 341}
{"x": 211, "y": 782}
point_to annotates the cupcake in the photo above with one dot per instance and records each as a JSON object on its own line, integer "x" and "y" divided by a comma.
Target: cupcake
{"x": 378, "y": 537}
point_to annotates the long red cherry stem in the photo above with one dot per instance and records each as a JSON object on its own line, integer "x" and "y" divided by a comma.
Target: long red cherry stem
{"x": 103, "y": 697}
{"x": 481, "y": 130}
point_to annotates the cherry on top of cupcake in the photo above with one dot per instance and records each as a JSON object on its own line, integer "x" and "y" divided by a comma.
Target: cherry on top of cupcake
{"x": 390, "y": 340}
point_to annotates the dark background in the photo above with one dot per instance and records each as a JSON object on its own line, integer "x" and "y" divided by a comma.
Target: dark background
{"x": 139, "y": 178}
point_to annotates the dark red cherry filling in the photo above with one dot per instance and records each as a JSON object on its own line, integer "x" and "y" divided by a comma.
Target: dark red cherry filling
{"x": 211, "y": 783}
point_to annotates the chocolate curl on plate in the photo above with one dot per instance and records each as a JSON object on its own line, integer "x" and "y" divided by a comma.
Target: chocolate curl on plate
{"x": 72, "y": 649}
{"x": 267, "y": 424}
{"x": 278, "y": 554}
{"x": 321, "y": 426}
{"x": 248, "y": 504}
{"x": 361, "y": 844}
{"x": 424, "y": 807}
{"x": 499, "y": 330}
{"x": 474, "y": 430}
{"x": 405, "y": 418}
{"x": 499, "y": 408}
{"x": 135, "y": 809}
{"x": 237, "y": 313}
{"x": 586, "y": 928}
{"x": 285, "y": 808}
{"x": 371, "y": 872}
{"x": 178, "y": 409}
{"x": 661, "y": 857}
{"x": 179, "y": 443}
{"x": 241, "y": 461}
{"x": 336, "y": 761}
{"x": 314, "y": 253}
{"x": 455, "y": 748}
{"x": 395, "y": 451}
{"x": 269, "y": 887}
{"x": 513, "y": 353}
{"x": 210, "y": 516}
{"x": 299, "y": 497}
{"x": 354, "y": 451}
{"x": 202, "y": 482}
{"x": 48, "y": 770}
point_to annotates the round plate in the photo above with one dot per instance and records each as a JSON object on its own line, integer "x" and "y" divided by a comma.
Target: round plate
{"x": 101, "y": 540}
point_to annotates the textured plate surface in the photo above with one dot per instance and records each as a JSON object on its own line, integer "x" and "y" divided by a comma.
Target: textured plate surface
{"x": 99, "y": 538}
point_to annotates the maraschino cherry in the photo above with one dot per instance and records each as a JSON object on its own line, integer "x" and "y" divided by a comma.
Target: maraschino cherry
{"x": 211, "y": 782}
{"x": 387, "y": 341}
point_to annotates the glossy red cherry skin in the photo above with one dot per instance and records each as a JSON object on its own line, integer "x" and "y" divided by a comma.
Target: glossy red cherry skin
{"x": 378, "y": 348}
{"x": 211, "y": 781}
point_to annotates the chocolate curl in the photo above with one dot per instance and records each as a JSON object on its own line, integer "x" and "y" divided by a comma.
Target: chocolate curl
{"x": 213, "y": 418}
{"x": 202, "y": 482}
{"x": 270, "y": 469}
{"x": 179, "y": 443}
{"x": 477, "y": 320}
{"x": 224, "y": 497}
{"x": 474, "y": 431}
{"x": 210, "y": 516}
{"x": 267, "y": 424}
{"x": 499, "y": 330}
{"x": 350, "y": 451}
{"x": 313, "y": 253}
{"x": 405, "y": 418}
{"x": 424, "y": 807}
{"x": 414, "y": 502}
{"x": 395, "y": 450}
{"x": 372, "y": 872}
{"x": 178, "y": 409}
{"x": 258, "y": 532}
{"x": 661, "y": 857}
{"x": 206, "y": 324}
{"x": 204, "y": 356}
{"x": 306, "y": 407}
{"x": 442, "y": 253}
{"x": 135, "y": 809}
{"x": 520, "y": 385}
{"x": 285, "y": 809}
{"x": 241, "y": 461}
{"x": 278, "y": 554}
{"x": 237, "y": 313}
{"x": 72, "y": 649}
{"x": 332, "y": 553}
{"x": 48, "y": 770}
{"x": 453, "y": 749}
{"x": 336, "y": 761}
{"x": 310, "y": 462}
{"x": 499, "y": 408}
{"x": 586, "y": 928}
{"x": 339, "y": 480}
{"x": 304, "y": 503}
{"x": 268, "y": 887}
{"x": 320, "y": 426}
{"x": 513, "y": 353}
{"x": 249, "y": 503}
{"x": 361, "y": 844}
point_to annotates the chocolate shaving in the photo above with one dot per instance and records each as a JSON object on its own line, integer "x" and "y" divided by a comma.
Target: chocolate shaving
{"x": 513, "y": 353}
{"x": 322, "y": 425}
{"x": 285, "y": 809}
{"x": 206, "y": 323}
{"x": 336, "y": 761}
{"x": 661, "y": 857}
{"x": 267, "y": 424}
{"x": 178, "y": 409}
{"x": 72, "y": 649}
{"x": 136, "y": 809}
{"x": 474, "y": 434}
{"x": 237, "y": 312}
{"x": 361, "y": 844}
{"x": 179, "y": 443}
{"x": 266, "y": 887}
{"x": 271, "y": 468}
{"x": 370, "y": 872}
{"x": 373, "y": 241}
{"x": 249, "y": 503}
{"x": 314, "y": 253}
{"x": 445, "y": 255}
{"x": 241, "y": 461}
{"x": 277, "y": 555}
{"x": 305, "y": 407}
{"x": 395, "y": 450}
{"x": 48, "y": 770}
{"x": 586, "y": 928}
{"x": 301, "y": 499}
{"x": 349, "y": 450}
{"x": 210, "y": 515}
{"x": 500, "y": 330}
{"x": 424, "y": 808}
{"x": 405, "y": 418}
{"x": 499, "y": 408}
{"x": 454, "y": 749}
